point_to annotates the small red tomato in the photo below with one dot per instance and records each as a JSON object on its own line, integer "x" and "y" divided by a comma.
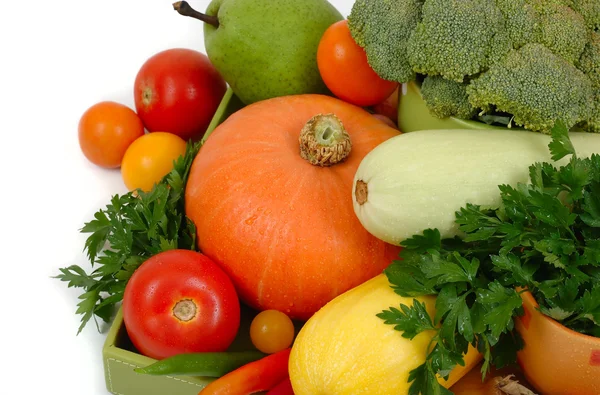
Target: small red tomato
{"x": 178, "y": 91}
{"x": 344, "y": 69}
{"x": 180, "y": 301}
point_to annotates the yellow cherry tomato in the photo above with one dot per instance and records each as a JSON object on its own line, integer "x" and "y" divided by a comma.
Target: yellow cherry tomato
{"x": 149, "y": 158}
{"x": 271, "y": 331}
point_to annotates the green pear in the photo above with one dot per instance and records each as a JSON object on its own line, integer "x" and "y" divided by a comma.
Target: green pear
{"x": 265, "y": 48}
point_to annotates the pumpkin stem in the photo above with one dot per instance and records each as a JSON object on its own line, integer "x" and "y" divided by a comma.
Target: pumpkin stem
{"x": 324, "y": 141}
{"x": 183, "y": 8}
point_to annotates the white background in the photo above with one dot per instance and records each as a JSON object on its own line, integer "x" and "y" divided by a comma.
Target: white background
{"x": 57, "y": 58}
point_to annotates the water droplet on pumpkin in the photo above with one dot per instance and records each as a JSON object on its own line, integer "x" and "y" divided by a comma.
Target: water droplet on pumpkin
{"x": 251, "y": 220}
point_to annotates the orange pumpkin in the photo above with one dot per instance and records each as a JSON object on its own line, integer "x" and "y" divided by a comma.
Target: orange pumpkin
{"x": 274, "y": 208}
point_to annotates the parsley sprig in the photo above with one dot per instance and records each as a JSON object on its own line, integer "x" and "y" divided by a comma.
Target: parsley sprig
{"x": 544, "y": 238}
{"x": 131, "y": 228}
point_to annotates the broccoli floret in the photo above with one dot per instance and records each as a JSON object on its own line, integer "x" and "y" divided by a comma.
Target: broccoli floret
{"x": 589, "y": 62}
{"x": 590, "y": 10}
{"x": 383, "y": 28}
{"x": 446, "y": 98}
{"x": 537, "y": 87}
{"x": 563, "y": 30}
{"x": 593, "y": 123}
{"x": 522, "y": 21}
{"x": 549, "y": 22}
{"x": 458, "y": 38}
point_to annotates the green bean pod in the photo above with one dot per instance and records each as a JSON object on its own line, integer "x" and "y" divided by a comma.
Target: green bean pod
{"x": 205, "y": 364}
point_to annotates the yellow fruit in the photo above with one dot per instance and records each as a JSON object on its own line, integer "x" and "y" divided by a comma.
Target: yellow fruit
{"x": 345, "y": 349}
{"x": 149, "y": 158}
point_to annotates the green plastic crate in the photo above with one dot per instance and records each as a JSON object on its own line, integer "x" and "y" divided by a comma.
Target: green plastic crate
{"x": 120, "y": 356}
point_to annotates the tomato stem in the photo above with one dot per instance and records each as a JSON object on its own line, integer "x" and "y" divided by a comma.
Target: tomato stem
{"x": 184, "y": 310}
{"x": 324, "y": 141}
{"x": 183, "y": 8}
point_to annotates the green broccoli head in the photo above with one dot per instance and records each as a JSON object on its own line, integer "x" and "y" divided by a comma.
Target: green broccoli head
{"x": 383, "y": 28}
{"x": 590, "y": 10}
{"x": 562, "y": 30}
{"x": 589, "y": 62}
{"x": 549, "y": 22}
{"x": 458, "y": 38}
{"x": 593, "y": 123}
{"x": 446, "y": 98}
{"x": 537, "y": 87}
{"x": 522, "y": 21}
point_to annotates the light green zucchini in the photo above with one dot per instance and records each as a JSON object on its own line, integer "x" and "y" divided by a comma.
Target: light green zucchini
{"x": 419, "y": 180}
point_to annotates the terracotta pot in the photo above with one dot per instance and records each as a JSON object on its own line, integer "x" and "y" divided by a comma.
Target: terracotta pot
{"x": 557, "y": 360}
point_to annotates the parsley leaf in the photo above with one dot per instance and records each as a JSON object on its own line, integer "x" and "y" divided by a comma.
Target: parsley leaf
{"x": 129, "y": 230}
{"x": 429, "y": 240}
{"x": 407, "y": 278}
{"x": 410, "y": 320}
{"x": 561, "y": 145}
{"x": 501, "y": 303}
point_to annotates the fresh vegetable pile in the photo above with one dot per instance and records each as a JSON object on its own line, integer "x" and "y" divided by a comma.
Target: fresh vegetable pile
{"x": 364, "y": 259}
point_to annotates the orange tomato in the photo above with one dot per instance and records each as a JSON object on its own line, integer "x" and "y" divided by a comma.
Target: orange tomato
{"x": 150, "y": 158}
{"x": 271, "y": 331}
{"x": 345, "y": 70}
{"x": 106, "y": 130}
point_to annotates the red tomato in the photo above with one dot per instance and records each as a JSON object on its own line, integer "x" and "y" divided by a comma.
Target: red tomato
{"x": 180, "y": 301}
{"x": 344, "y": 69}
{"x": 106, "y": 130}
{"x": 178, "y": 91}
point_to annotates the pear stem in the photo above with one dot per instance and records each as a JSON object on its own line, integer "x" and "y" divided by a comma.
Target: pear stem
{"x": 183, "y": 8}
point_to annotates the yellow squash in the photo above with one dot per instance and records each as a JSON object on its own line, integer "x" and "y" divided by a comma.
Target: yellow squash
{"x": 344, "y": 349}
